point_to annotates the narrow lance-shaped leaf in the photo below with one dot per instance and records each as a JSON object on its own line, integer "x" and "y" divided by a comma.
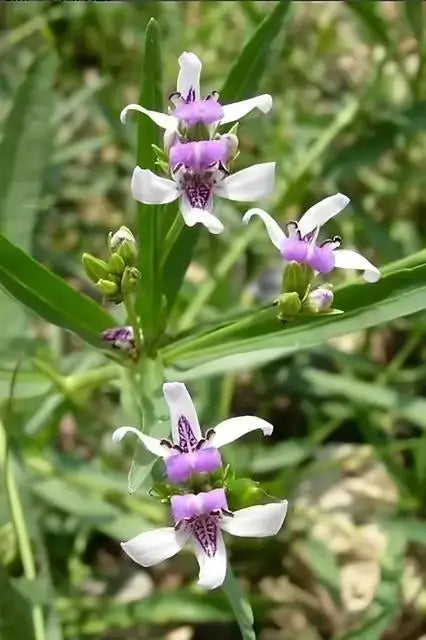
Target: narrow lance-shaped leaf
{"x": 259, "y": 338}
{"x": 49, "y": 296}
{"x": 24, "y": 154}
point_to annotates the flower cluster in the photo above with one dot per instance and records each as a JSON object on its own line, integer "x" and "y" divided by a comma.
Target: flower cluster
{"x": 198, "y": 157}
{"x": 199, "y": 518}
{"x": 305, "y": 257}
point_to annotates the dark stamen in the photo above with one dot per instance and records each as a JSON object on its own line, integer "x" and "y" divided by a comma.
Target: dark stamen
{"x": 166, "y": 443}
{"x": 209, "y": 434}
{"x": 199, "y": 444}
{"x": 225, "y": 512}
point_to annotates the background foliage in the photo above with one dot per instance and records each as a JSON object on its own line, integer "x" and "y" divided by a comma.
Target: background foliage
{"x": 349, "y": 449}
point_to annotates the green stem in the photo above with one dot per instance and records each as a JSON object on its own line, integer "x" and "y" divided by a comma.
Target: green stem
{"x": 239, "y": 605}
{"x": 19, "y": 524}
{"x": 133, "y": 319}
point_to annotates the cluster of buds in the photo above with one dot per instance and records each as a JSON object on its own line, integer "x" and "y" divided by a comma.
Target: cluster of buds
{"x": 118, "y": 276}
{"x": 199, "y": 490}
{"x": 196, "y": 157}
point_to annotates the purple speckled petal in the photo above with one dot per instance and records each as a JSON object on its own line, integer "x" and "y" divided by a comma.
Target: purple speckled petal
{"x": 199, "y": 112}
{"x": 180, "y": 466}
{"x": 198, "y": 189}
{"x": 294, "y": 249}
{"x": 199, "y": 155}
{"x": 192, "y": 505}
{"x": 321, "y": 259}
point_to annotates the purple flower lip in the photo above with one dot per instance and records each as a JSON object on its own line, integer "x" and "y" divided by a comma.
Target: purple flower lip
{"x": 199, "y": 156}
{"x": 199, "y": 112}
{"x": 119, "y": 338}
{"x": 180, "y": 466}
{"x": 304, "y": 251}
{"x": 193, "y": 505}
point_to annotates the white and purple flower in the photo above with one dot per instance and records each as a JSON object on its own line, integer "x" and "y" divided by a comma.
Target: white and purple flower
{"x": 300, "y": 243}
{"x": 199, "y": 520}
{"x": 190, "y": 452}
{"x": 189, "y": 109}
{"x": 196, "y": 189}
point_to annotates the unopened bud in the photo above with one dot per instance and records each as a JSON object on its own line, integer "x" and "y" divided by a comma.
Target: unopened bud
{"x": 116, "y": 264}
{"x": 123, "y": 242}
{"x": 320, "y": 300}
{"x": 120, "y": 338}
{"x": 289, "y": 305}
{"x": 130, "y": 280}
{"x": 297, "y": 278}
{"x": 94, "y": 267}
{"x": 232, "y": 141}
{"x": 108, "y": 288}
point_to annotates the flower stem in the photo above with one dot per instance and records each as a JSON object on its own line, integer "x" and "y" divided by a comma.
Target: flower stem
{"x": 133, "y": 319}
{"x": 19, "y": 524}
{"x": 239, "y": 605}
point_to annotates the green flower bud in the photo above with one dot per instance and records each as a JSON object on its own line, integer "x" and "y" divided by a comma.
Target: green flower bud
{"x": 108, "y": 288}
{"x": 116, "y": 264}
{"x": 123, "y": 242}
{"x": 297, "y": 278}
{"x": 289, "y": 305}
{"x": 95, "y": 268}
{"x": 130, "y": 280}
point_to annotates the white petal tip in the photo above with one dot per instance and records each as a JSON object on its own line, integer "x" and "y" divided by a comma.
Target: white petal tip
{"x": 265, "y": 103}
{"x": 123, "y": 116}
{"x": 343, "y": 199}
{"x": 119, "y": 434}
{"x": 372, "y": 276}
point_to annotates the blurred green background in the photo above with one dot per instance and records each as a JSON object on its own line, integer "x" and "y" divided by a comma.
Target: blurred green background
{"x": 349, "y": 447}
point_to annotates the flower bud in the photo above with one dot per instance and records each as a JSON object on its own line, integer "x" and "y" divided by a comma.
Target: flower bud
{"x": 116, "y": 264}
{"x": 289, "y": 305}
{"x": 123, "y": 242}
{"x": 297, "y": 278}
{"x": 232, "y": 142}
{"x": 108, "y": 288}
{"x": 130, "y": 280}
{"x": 320, "y": 300}
{"x": 94, "y": 267}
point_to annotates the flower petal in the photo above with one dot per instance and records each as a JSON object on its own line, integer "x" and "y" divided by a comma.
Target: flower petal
{"x": 347, "y": 259}
{"x": 192, "y": 216}
{"x": 189, "y": 75}
{"x": 151, "y": 444}
{"x": 322, "y": 211}
{"x": 233, "y": 428}
{"x": 237, "y": 110}
{"x": 256, "y": 522}
{"x": 275, "y": 233}
{"x": 252, "y": 183}
{"x": 212, "y": 566}
{"x": 186, "y": 430}
{"x": 151, "y": 189}
{"x": 163, "y": 120}
{"x": 152, "y": 547}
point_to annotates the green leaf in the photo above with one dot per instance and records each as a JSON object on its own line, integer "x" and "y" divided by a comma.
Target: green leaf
{"x": 259, "y": 338}
{"x": 245, "y": 75}
{"x": 149, "y": 216}
{"x": 323, "y": 564}
{"x": 48, "y": 295}
{"x": 24, "y": 155}
{"x": 15, "y": 612}
{"x": 369, "y": 16}
{"x": 414, "y": 14}
{"x": 240, "y": 605}
{"x": 361, "y": 393}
